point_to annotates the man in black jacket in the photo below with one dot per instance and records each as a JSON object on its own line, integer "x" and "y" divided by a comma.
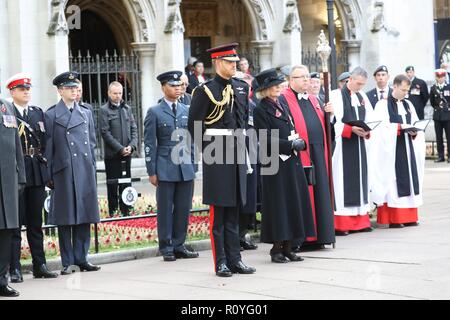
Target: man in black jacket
{"x": 30, "y": 120}
{"x": 119, "y": 133}
{"x": 418, "y": 93}
{"x": 440, "y": 101}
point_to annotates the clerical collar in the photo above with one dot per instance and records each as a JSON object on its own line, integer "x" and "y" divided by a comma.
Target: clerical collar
{"x": 300, "y": 96}
{"x": 222, "y": 81}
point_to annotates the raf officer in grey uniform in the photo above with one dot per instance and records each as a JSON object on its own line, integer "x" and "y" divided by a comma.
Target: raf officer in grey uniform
{"x": 12, "y": 177}
{"x": 169, "y": 159}
{"x": 70, "y": 143}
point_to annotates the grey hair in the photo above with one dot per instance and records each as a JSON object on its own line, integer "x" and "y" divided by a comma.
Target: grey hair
{"x": 359, "y": 72}
{"x": 299, "y": 66}
{"x": 263, "y": 94}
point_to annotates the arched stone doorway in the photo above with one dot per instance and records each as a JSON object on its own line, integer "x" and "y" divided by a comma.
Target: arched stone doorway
{"x": 314, "y": 17}
{"x": 209, "y": 23}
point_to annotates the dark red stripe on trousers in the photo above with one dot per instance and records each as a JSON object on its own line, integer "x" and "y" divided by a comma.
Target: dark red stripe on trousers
{"x": 211, "y": 235}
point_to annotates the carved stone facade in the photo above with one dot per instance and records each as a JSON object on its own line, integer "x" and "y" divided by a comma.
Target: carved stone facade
{"x": 271, "y": 32}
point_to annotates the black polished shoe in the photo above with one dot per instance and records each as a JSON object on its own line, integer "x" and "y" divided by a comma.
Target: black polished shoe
{"x": 223, "y": 271}
{"x": 67, "y": 271}
{"x": 169, "y": 257}
{"x": 7, "y": 291}
{"x": 342, "y": 233}
{"x": 88, "y": 267}
{"x": 293, "y": 257}
{"x": 396, "y": 226}
{"x": 439, "y": 160}
{"x": 247, "y": 245}
{"x": 412, "y": 224}
{"x": 241, "y": 268}
{"x": 279, "y": 258}
{"x": 186, "y": 254}
{"x": 296, "y": 249}
{"x": 16, "y": 276}
{"x": 43, "y": 272}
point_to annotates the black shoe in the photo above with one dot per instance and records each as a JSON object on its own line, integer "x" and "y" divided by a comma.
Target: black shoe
{"x": 439, "y": 160}
{"x": 412, "y": 224}
{"x": 223, "y": 271}
{"x": 241, "y": 268}
{"x": 67, "y": 271}
{"x": 88, "y": 267}
{"x": 247, "y": 245}
{"x": 186, "y": 254}
{"x": 296, "y": 249}
{"x": 16, "y": 276}
{"x": 7, "y": 291}
{"x": 279, "y": 258}
{"x": 169, "y": 257}
{"x": 396, "y": 226}
{"x": 342, "y": 233}
{"x": 369, "y": 229}
{"x": 293, "y": 257}
{"x": 43, "y": 272}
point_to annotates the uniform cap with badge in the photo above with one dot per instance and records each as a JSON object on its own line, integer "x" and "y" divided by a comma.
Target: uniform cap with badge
{"x": 20, "y": 80}
{"x": 315, "y": 75}
{"x": 225, "y": 52}
{"x": 440, "y": 73}
{"x": 409, "y": 68}
{"x": 380, "y": 69}
{"x": 66, "y": 79}
{"x": 344, "y": 76}
{"x": 172, "y": 78}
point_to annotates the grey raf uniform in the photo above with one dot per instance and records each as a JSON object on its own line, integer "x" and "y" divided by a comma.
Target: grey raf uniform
{"x": 175, "y": 189}
{"x": 70, "y": 143}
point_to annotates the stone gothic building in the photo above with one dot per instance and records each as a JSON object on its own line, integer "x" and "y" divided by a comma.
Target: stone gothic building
{"x": 134, "y": 40}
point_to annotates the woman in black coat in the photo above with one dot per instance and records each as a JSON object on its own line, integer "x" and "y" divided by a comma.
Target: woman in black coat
{"x": 286, "y": 207}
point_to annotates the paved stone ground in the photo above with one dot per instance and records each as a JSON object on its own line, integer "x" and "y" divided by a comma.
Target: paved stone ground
{"x": 411, "y": 263}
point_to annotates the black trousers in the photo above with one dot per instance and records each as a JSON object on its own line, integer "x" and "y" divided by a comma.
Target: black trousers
{"x": 174, "y": 204}
{"x": 31, "y": 203}
{"x": 440, "y": 127}
{"x": 74, "y": 243}
{"x": 245, "y": 220}
{"x": 5, "y": 255}
{"x": 116, "y": 169}
{"x": 225, "y": 235}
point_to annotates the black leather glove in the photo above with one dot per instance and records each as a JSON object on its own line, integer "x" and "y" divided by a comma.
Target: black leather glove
{"x": 21, "y": 188}
{"x": 299, "y": 145}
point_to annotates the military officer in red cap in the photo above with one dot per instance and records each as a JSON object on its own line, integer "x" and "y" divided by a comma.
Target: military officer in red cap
{"x": 440, "y": 101}
{"x": 30, "y": 120}
{"x": 218, "y": 110}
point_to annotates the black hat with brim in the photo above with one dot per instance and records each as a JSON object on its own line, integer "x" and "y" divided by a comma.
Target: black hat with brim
{"x": 268, "y": 78}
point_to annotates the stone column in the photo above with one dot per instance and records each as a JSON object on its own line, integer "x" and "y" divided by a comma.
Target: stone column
{"x": 353, "y": 48}
{"x": 291, "y": 44}
{"x": 149, "y": 90}
{"x": 265, "y": 51}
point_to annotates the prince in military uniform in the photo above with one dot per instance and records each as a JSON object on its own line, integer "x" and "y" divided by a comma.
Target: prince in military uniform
{"x": 70, "y": 143}
{"x": 216, "y": 114}
{"x": 30, "y": 121}
{"x": 170, "y": 167}
{"x": 440, "y": 101}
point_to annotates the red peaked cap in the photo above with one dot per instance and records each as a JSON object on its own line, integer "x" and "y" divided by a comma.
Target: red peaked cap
{"x": 225, "y": 52}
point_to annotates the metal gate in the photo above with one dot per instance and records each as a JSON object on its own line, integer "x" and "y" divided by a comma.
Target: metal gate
{"x": 97, "y": 72}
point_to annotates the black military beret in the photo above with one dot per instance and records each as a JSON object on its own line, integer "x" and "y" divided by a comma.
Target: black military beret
{"x": 380, "y": 69}
{"x": 315, "y": 75}
{"x": 172, "y": 78}
{"x": 409, "y": 68}
{"x": 66, "y": 79}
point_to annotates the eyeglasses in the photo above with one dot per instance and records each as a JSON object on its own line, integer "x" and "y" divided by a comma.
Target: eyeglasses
{"x": 305, "y": 77}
